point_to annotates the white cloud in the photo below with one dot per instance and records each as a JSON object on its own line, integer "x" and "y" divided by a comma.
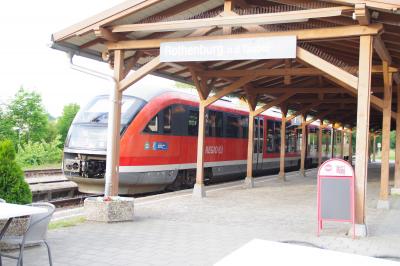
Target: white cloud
{"x": 26, "y": 59}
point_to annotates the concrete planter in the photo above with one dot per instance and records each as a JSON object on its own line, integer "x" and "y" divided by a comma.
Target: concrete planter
{"x": 113, "y": 209}
{"x": 17, "y": 227}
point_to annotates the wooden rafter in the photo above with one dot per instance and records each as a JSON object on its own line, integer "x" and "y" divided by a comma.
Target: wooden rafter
{"x": 258, "y": 19}
{"x": 139, "y": 74}
{"x": 306, "y": 34}
{"x": 229, "y": 89}
{"x": 273, "y": 103}
{"x": 381, "y": 49}
{"x": 326, "y": 67}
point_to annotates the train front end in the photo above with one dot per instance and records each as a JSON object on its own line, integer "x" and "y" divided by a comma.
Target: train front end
{"x": 85, "y": 148}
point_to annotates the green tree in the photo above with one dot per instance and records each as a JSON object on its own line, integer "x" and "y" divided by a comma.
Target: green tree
{"x": 6, "y": 127}
{"x": 65, "y": 121}
{"x": 28, "y": 115}
{"x": 13, "y": 187}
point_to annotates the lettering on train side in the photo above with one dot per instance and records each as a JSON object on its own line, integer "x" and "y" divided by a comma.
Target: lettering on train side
{"x": 214, "y": 149}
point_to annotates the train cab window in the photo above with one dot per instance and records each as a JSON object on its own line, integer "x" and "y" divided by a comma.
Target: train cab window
{"x": 233, "y": 126}
{"x": 270, "y": 136}
{"x": 167, "y": 120}
{"x": 152, "y": 126}
{"x": 193, "y": 122}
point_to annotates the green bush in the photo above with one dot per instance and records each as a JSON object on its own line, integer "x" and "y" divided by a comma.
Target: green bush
{"x": 38, "y": 153}
{"x": 13, "y": 187}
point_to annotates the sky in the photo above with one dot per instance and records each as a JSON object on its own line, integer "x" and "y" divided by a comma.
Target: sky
{"x": 27, "y": 60}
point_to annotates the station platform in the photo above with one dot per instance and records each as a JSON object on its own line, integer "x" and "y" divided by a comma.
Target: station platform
{"x": 176, "y": 229}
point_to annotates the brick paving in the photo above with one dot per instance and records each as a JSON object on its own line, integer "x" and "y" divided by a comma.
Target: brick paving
{"x": 175, "y": 229}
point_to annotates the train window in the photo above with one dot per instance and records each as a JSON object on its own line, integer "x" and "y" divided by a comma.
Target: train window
{"x": 291, "y": 138}
{"x": 270, "y": 136}
{"x": 167, "y": 120}
{"x": 233, "y": 126}
{"x": 214, "y": 124}
{"x": 193, "y": 122}
{"x": 152, "y": 126}
{"x": 277, "y": 138}
{"x": 261, "y": 127}
{"x": 312, "y": 141}
{"x": 245, "y": 126}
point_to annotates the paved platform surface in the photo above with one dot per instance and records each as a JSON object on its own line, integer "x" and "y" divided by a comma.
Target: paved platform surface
{"x": 174, "y": 229}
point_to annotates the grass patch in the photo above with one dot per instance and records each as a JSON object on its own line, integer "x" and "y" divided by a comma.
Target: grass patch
{"x": 67, "y": 223}
{"x": 392, "y": 155}
{"x": 42, "y": 167}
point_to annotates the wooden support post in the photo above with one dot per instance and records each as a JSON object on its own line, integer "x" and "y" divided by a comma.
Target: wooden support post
{"x": 396, "y": 189}
{"x": 321, "y": 124}
{"x": 252, "y": 103}
{"x": 374, "y": 147}
{"x": 363, "y": 111}
{"x": 351, "y": 147}
{"x": 249, "y": 182}
{"x": 387, "y": 110}
{"x": 342, "y": 144}
{"x": 199, "y": 190}
{"x": 283, "y": 143}
{"x": 114, "y": 125}
{"x": 333, "y": 143}
{"x": 303, "y": 145}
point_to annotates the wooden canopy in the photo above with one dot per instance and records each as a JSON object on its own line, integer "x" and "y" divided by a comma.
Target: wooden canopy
{"x": 346, "y": 65}
{"x": 328, "y": 29}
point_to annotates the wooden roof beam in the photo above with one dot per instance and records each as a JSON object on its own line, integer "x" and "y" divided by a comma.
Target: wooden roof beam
{"x": 303, "y": 110}
{"x": 328, "y": 68}
{"x": 297, "y": 90}
{"x": 231, "y": 21}
{"x": 139, "y": 74}
{"x": 106, "y": 35}
{"x": 294, "y": 71}
{"x": 361, "y": 14}
{"x": 302, "y": 35}
{"x": 322, "y": 115}
{"x": 381, "y": 50}
{"x": 229, "y": 89}
{"x": 273, "y": 103}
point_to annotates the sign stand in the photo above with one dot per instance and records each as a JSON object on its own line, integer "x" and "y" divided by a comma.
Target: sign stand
{"x": 335, "y": 196}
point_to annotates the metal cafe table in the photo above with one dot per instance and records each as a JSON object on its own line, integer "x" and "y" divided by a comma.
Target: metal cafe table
{"x": 10, "y": 211}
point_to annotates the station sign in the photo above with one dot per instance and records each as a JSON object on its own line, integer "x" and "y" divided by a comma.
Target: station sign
{"x": 335, "y": 194}
{"x": 276, "y": 47}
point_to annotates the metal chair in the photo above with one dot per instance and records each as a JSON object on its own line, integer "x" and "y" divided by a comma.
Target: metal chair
{"x": 35, "y": 234}
{"x": 2, "y": 201}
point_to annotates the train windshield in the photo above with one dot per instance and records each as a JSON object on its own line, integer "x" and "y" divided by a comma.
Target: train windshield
{"x": 96, "y": 112}
{"x": 89, "y": 129}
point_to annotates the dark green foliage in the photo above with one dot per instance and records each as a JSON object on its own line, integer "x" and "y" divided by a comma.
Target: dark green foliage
{"x": 13, "y": 187}
{"x": 65, "y": 121}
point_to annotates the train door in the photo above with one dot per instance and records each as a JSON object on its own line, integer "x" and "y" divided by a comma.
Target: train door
{"x": 258, "y": 142}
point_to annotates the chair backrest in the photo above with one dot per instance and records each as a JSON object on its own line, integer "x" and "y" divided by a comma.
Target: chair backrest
{"x": 38, "y": 223}
{"x": 2, "y": 201}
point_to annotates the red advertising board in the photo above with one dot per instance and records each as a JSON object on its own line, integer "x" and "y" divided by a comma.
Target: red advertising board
{"x": 335, "y": 194}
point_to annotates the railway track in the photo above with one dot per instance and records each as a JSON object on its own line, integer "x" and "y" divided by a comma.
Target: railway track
{"x": 42, "y": 172}
{"x": 68, "y": 202}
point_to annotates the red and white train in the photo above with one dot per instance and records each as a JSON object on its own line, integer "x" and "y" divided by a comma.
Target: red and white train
{"x": 159, "y": 142}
